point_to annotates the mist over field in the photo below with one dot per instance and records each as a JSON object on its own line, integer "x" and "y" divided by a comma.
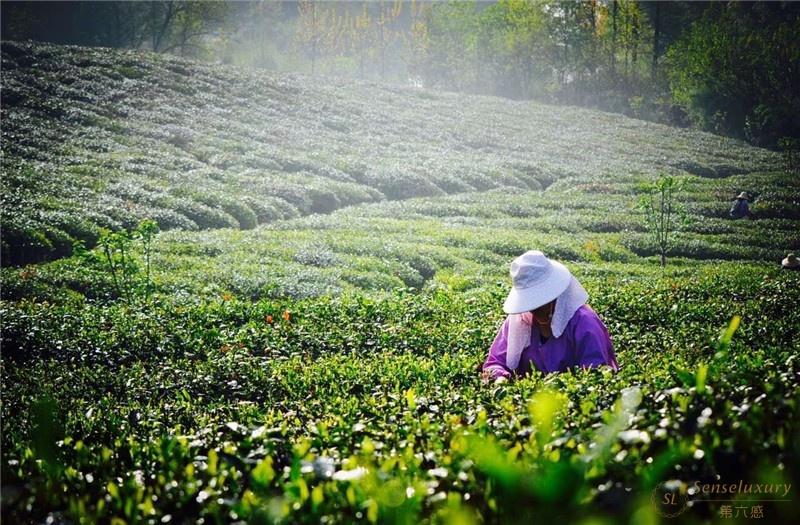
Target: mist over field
{"x": 254, "y": 255}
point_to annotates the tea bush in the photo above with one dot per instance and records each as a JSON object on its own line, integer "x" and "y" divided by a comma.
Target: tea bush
{"x": 205, "y": 145}
{"x": 353, "y": 408}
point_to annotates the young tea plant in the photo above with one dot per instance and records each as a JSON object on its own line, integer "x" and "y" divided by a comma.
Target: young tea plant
{"x": 116, "y": 248}
{"x": 662, "y": 212}
{"x": 146, "y": 231}
{"x": 118, "y": 256}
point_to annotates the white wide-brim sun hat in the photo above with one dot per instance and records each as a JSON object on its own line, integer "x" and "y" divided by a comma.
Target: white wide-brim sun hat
{"x": 791, "y": 261}
{"x": 535, "y": 281}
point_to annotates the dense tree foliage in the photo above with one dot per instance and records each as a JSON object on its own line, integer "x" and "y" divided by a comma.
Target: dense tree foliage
{"x": 177, "y": 26}
{"x": 737, "y": 70}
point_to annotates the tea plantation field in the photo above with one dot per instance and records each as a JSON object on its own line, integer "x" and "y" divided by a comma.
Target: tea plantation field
{"x": 301, "y": 341}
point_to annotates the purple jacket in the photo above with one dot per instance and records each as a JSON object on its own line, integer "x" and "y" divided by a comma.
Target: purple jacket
{"x": 584, "y": 343}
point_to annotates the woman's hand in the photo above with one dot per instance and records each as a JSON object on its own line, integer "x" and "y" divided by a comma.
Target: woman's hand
{"x": 486, "y": 377}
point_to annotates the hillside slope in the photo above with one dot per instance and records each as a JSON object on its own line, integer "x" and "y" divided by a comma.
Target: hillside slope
{"x": 102, "y": 138}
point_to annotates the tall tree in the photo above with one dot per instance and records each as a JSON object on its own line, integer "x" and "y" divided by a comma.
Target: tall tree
{"x": 385, "y": 19}
{"x": 308, "y": 29}
{"x": 191, "y": 24}
{"x": 516, "y": 34}
{"x": 417, "y": 39}
{"x": 614, "y": 16}
{"x": 321, "y": 31}
{"x": 162, "y": 15}
{"x": 450, "y": 29}
{"x": 656, "y": 36}
{"x": 360, "y": 37}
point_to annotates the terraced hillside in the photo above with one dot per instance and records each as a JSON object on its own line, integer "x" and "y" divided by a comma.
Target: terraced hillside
{"x": 302, "y": 344}
{"x": 102, "y": 138}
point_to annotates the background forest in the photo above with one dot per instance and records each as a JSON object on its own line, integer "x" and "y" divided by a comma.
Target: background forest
{"x": 727, "y": 67}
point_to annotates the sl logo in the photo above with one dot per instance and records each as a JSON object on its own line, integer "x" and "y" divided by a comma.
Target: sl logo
{"x": 669, "y": 500}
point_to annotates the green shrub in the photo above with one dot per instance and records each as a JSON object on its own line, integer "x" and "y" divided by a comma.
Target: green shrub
{"x": 203, "y": 215}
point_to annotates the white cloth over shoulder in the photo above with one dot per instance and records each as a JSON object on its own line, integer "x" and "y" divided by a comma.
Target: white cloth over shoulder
{"x": 519, "y": 325}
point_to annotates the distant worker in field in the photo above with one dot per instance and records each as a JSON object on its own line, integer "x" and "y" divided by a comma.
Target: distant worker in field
{"x": 549, "y": 327}
{"x": 741, "y": 207}
{"x": 791, "y": 262}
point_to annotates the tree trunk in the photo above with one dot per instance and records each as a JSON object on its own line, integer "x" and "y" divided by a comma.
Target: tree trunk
{"x": 566, "y": 47}
{"x": 614, "y": 43}
{"x": 313, "y": 36}
{"x": 476, "y": 85}
{"x": 158, "y": 36}
{"x": 383, "y": 49}
{"x": 593, "y": 64}
{"x": 153, "y": 22}
{"x": 117, "y": 26}
{"x": 656, "y": 35}
{"x": 635, "y": 45}
{"x": 627, "y": 45}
